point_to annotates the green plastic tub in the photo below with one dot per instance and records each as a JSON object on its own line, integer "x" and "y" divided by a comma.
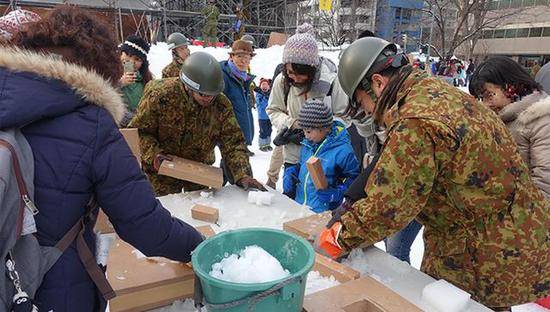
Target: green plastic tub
{"x": 294, "y": 253}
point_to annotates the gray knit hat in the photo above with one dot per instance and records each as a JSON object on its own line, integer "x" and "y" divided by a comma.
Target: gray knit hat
{"x": 315, "y": 114}
{"x": 302, "y": 48}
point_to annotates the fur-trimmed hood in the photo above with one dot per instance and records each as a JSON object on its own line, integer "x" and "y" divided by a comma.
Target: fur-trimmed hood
{"x": 85, "y": 84}
{"x": 528, "y": 109}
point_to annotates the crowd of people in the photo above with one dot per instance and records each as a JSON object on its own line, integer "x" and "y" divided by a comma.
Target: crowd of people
{"x": 400, "y": 149}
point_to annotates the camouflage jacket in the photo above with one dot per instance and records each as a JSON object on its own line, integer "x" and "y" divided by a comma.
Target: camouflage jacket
{"x": 172, "y": 69}
{"x": 211, "y": 14}
{"x": 170, "y": 122}
{"x": 450, "y": 162}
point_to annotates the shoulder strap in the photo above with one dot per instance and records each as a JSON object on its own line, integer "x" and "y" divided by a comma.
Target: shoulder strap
{"x": 86, "y": 256}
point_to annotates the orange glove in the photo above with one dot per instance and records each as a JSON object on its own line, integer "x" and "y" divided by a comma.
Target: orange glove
{"x": 327, "y": 242}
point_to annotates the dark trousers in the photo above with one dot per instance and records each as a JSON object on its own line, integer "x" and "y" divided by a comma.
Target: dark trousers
{"x": 265, "y": 132}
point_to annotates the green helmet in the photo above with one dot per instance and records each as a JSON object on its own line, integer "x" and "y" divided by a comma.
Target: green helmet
{"x": 358, "y": 60}
{"x": 202, "y": 73}
{"x": 177, "y": 40}
{"x": 249, "y": 38}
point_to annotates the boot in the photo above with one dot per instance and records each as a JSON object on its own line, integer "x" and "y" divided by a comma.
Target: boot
{"x": 249, "y": 153}
{"x": 271, "y": 184}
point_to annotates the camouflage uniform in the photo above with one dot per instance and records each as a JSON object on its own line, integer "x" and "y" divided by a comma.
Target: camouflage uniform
{"x": 210, "y": 28}
{"x": 173, "y": 69}
{"x": 171, "y": 122}
{"x": 450, "y": 162}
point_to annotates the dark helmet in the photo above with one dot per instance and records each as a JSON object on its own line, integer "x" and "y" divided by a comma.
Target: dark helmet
{"x": 177, "y": 40}
{"x": 202, "y": 73}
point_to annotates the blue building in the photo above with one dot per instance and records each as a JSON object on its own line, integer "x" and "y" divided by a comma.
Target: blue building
{"x": 395, "y": 18}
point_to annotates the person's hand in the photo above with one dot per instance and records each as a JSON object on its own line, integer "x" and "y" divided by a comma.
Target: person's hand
{"x": 332, "y": 195}
{"x": 339, "y": 212}
{"x": 127, "y": 78}
{"x": 250, "y": 183}
{"x": 159, "y": 158}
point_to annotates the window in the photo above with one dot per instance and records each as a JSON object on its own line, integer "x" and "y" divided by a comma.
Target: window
{"x": 515, "y": 4}
{"x": 511, "y": 33}
{"x": 487, "y": 34}
{"x": 397, "y": 12}
{"x": 528, "y": 3}
{"x": 535, "y": 32}
{"x": 541, "y": 2}
{"x": 493, "y": 5}
{"x": 523, "y": 33}
{"x": 499, "y": 33}
{"x": 546, "y": 32}
{"x": 504, "y": 4}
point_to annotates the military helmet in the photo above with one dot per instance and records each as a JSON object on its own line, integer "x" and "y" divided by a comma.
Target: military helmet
{"x": 202, "y": 73}
{"x": 249, "y": 38}
{"x": 358, "y": 61}
{"x": 177, "y": 40}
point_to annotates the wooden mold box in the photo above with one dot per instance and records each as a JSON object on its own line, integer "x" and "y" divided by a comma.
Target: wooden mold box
{"x": 147, "y": 283}
{"x": 309, "y": 226}
{"x": 131, "y": 136}
{"x": 315, "y": 168}
{"x": 328, "y": 267}
{"x": 205, "y": 213}
{"x": 361, "y": 295}
{"x": 192, "y": 171}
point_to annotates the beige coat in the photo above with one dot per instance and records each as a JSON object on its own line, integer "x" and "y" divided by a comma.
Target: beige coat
{"x": 529, "y": 122}
{"x": 282, "y": 116}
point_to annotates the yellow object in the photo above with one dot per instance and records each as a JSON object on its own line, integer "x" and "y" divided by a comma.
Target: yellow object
{"x": 325, "y": 5}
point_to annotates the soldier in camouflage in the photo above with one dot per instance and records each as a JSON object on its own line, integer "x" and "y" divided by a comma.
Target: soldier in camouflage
{"x": 449, "y": 162}
{"x": 187, "y": 117}
{"x": 210, "y": 28}
{"x": 178, "y": 44}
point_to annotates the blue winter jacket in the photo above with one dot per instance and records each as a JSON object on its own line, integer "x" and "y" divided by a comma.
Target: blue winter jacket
{"x": 68, "y": 116}
{"x": 339, "y": 165}
{"x": 262, "y": 99}
{"x": 238, "y": 92}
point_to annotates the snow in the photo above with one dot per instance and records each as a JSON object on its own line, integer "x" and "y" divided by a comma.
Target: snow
{"x": 445, "y": 297}
{"x": 260, "y": 198}
{"x": 316, "y": 282}
{"x": 252, "y": 265}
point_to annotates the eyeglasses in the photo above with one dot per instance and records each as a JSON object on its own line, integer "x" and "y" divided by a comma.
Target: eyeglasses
{"x": 243, "y": 55}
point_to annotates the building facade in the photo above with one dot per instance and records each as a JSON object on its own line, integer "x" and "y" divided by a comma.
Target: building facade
{"x": 399, "y": 21}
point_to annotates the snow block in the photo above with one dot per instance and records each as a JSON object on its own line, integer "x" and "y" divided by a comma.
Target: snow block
{"x": 260, "y": 198}
{"x": 205, "y": 213}
{"x": 360, "y": 295}
{"x": 192, "y": 171}
{"x": 131, "y": 136}
{"x": 316, "y": 173}
{"x": 445, "y": 297}
{"x": 308, "y": 227}
{"x": 328, "y": 267}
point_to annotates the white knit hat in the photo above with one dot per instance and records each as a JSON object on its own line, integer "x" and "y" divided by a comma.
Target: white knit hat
{"x": 302, "y": 48}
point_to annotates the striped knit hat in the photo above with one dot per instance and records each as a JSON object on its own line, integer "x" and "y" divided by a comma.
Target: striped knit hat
{"x": 315, "y": 114}
{"x": 302, "y": 48}
{"x": 13, "y": 21}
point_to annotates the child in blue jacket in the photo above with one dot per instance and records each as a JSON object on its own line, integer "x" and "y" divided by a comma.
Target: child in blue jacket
{"x": 262, "y": 97}
{"x": 329, "y": 141}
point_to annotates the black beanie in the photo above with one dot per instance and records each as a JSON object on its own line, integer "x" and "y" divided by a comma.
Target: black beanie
{"x": 134, "y": 45}
{"x": 315, "y": 114}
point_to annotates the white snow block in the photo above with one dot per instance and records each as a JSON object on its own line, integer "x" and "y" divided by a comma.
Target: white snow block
{"x": 445, "y": 297}
{"x": 260, "y": 198}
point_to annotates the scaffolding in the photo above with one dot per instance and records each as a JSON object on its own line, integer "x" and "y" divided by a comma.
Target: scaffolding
{"x": 261, "y": 17}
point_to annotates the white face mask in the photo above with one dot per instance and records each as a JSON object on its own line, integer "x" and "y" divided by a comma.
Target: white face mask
{"x": 365, "y": 127}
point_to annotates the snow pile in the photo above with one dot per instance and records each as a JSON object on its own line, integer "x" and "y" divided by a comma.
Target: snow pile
{"x": 445, "y": 297}
{"x": 180, "y": 306}
{"x": 316, "y": 282}
{"x": 252, "y": 265}
{"x": 260, "y": 198}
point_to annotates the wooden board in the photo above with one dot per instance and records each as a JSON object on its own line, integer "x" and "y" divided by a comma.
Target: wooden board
{"x": 328, "y": 267}
{"x": 361, "y": 295}
{"x": 308, "y": 227}
{"x": 315, "y": 168}
{"x": 131, "y": 136}
{"x": 103, "y": 225}
{"x": 147, "y": 283}
{"x": 192, "y": 171}
{"x": 205, "y": 213}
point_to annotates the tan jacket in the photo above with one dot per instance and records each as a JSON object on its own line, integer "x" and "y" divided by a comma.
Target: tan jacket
{"x": 284, "y": 116}
{"x": 529, "y": 122}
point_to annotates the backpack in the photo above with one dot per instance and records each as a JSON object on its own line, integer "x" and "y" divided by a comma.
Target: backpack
{"x": 24, "y": 262}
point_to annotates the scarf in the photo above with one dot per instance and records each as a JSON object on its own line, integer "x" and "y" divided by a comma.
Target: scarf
{"x": 243, "y": 75}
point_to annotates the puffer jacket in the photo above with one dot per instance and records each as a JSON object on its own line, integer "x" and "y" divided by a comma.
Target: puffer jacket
{"x": 338, "y": 161}
{"x": 69, "y": 117}
{"x": 529, "y": 122}
{"x": 282, "y": 115}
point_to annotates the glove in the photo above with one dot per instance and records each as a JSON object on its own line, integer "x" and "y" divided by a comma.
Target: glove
{"x": 159, "y": 158}
{"x": 289, "y": 135}
{"x": 296, "y": 136}
{"x": 290, "y": 179}
{"x": 339, "y": 212}
{"x": 250, "y": 183}
{"x": 326, "y": 243}
{"x": 332, "y": 195}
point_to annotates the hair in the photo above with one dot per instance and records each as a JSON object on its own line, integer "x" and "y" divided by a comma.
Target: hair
{"x": 505, "y": 73}
{"x": 300, "y": 69}
{"x": 397, "y": 76}
{"x": 80, "y": 37}
{"x": 366, "y": 33}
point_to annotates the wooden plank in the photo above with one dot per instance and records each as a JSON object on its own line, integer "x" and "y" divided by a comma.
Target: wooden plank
{"x": 131, "y": 136}
{"x": 316, "y": 173}
{"x": 205, "y": 213}
{"x": 206, "y": 230}
{"x": 328, "y": 267}
{"x": 103, "y": 225}
{"x": 364, "y": 294}
{"x": 308, "y": 227}
{"x": 192, "y": 171}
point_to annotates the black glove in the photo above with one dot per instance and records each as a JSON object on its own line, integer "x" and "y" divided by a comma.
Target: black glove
{"x": 289, "y": 135}
{"x": 339, "y": 212}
